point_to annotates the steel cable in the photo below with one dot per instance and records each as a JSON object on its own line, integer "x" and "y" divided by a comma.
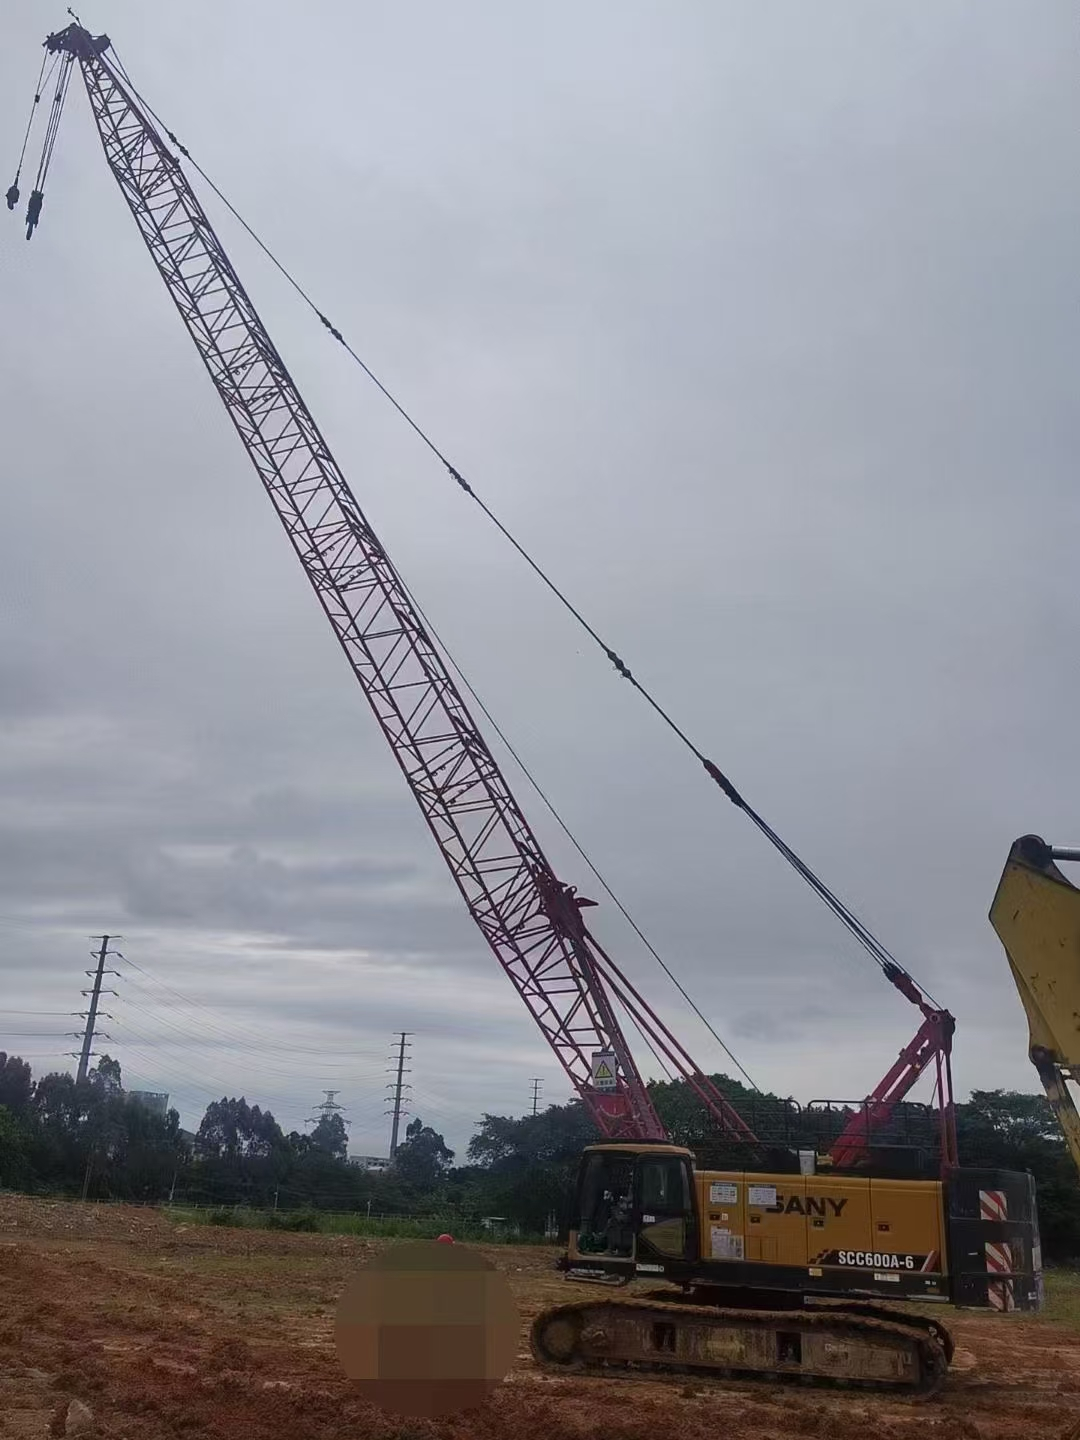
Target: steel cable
{"x": 860, "y": 932}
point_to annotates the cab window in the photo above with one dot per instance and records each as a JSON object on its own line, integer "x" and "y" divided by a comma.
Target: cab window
{"x": 605, "y": 1225}
{"x": 665, "y": 1186}
{"x": 666, "y": 1227}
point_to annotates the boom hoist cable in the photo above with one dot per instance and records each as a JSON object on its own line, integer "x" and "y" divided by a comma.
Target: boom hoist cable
{"x": 587, "y": 858}
{"x": 890, "y": 967}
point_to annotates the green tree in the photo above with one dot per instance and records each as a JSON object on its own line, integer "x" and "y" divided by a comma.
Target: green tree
{"x": 331, "y": 1137}
{"x": 231, "y": 1129}
{"x": 60, "y": 1144}
{"x": 106, "y": 1079}
{"x": 778, "y": 1122}
{"x": 556, "y": 1134}
{"x": 241, "y": 1155}
{"x": 15, "y": 1168}
{"x": 526, "y": 1168}
{"x": 424, "y": 1157}
{"x": 1006, "y": 1122}
{"x": 298, "y": 1144}
{"x": 16, "y": 1084}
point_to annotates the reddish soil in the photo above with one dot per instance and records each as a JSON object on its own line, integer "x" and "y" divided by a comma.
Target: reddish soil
{"x": 167, "y": 1331}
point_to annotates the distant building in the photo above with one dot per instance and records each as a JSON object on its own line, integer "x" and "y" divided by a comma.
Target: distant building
{"x": 152, "y": 1100}
{"x": 370, "y": 1162}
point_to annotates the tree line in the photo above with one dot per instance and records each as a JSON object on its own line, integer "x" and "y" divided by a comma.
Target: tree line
{"x": 92, "y": 1139}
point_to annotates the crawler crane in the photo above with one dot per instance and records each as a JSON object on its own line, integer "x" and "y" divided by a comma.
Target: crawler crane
{"x": 772, "y": 1272}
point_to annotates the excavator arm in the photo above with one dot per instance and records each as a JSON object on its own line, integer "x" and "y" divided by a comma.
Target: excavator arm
{"x": 1036, "y": 913}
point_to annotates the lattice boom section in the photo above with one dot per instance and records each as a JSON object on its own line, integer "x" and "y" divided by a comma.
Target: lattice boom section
{"x": 490, "y": 850}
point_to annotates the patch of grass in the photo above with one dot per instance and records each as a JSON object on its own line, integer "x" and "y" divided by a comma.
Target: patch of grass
{"x": 404, "y": 1228}
{"x": 295, "y": 1220}
{"x": 1063, "y": 1297}
{"x": 328, "y": 1222}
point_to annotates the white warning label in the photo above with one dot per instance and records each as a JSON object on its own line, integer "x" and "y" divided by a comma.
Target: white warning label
{"x": 761, "y": 1195}
{"x": 723, "y": 1193}
{"x": 604, "y": 1071}
{"x": 725, "y": 1245}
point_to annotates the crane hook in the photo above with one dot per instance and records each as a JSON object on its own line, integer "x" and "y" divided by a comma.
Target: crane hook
{"x": 12, "y": 195}
{"x": 33, "y": 211}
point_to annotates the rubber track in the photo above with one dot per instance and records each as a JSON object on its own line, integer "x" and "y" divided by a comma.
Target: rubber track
{"x": 933, "y": 1364}
{"x": 876, "y": 1310}
{"x": 857, "y": 1309}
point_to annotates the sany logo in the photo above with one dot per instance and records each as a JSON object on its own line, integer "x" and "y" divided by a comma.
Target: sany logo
{"x": 811, "y": 1205}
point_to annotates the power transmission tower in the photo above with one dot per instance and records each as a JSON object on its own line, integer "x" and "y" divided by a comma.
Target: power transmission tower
{"x": 397, "y": 1088}
{"x": 536, "y": 1095}
{"x": 328, "y": 1107}
{"x": 95, "y": 994}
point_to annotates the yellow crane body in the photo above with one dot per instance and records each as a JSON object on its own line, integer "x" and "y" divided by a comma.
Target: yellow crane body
{"x": 787, "y": 1274}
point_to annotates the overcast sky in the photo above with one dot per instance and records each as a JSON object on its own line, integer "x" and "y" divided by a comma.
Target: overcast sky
{"x": 757, "y": 324}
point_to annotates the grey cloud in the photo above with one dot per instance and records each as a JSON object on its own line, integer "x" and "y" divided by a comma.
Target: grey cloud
{"x": 756, "y": 325}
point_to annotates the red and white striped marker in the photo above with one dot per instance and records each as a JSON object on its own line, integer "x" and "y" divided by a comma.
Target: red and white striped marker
{"x": 993, "y": 1205}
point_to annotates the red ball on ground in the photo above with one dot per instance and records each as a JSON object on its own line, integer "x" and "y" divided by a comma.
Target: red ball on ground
{"x": 444, "y": 1240}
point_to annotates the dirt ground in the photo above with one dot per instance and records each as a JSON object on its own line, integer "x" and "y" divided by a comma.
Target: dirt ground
{"x": 166, "y": 1331}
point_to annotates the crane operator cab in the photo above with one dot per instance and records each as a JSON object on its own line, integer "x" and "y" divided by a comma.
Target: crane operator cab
{"x": 635, "y": 1207}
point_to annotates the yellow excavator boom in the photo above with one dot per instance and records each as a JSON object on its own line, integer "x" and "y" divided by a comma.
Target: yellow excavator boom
{"x": 1036, "y": 913}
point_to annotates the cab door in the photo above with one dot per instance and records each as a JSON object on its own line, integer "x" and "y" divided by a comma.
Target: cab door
{"x": 664, "y": 1201}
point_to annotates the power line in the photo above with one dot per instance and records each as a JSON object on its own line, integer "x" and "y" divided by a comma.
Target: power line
{"x": 8, "y": 922}
{"x": 233, "y": 1030}
{"x": 167, "y": 1066}
{"x": 185, "y": 1056}
{"x": 41, "y": 1012}
{"x": 227, "y": 1043}
{"x": 43, "y": 1055}
{"x": 38, "y": 1034}
{"x": 246, "y": 1034}
{"x": 182, "y": 1083}
{"x": 450, "y": 1111}
{"x": 186, "y": 1053}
